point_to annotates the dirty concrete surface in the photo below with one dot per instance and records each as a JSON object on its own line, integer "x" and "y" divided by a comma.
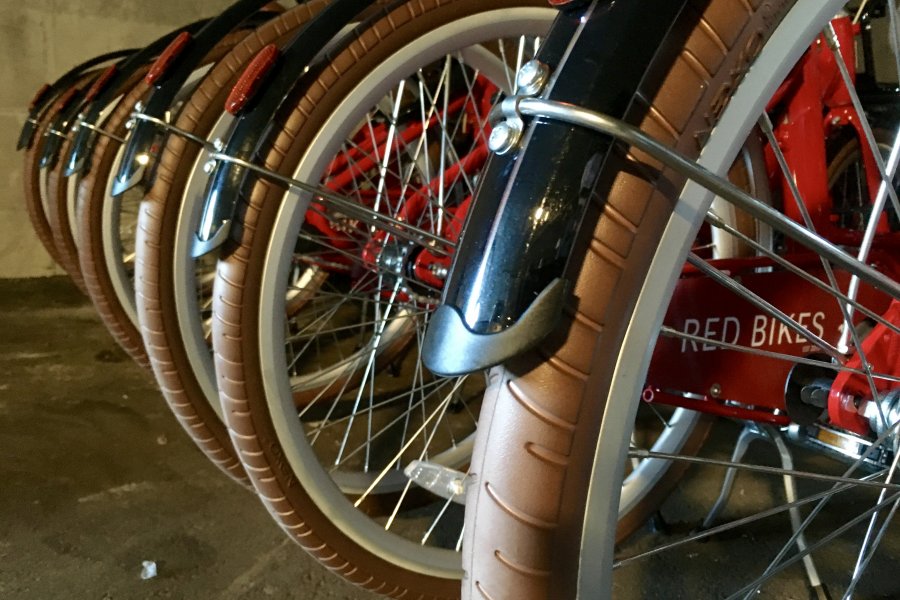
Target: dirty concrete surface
{"x": 96, "y": 476}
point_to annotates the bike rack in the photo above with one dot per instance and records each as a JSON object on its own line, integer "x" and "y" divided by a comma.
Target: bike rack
{"x": 169, "y": 127}
{"x": 394, "y": 226}
{"x": 88, "y": 125}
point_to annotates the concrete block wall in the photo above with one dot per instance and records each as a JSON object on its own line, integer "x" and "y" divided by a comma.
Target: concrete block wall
{"x": 39, "y": 41}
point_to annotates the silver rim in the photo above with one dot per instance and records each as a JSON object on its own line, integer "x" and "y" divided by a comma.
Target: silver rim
{"x": 785, "y": 47}
{"x": 316, "y": 480}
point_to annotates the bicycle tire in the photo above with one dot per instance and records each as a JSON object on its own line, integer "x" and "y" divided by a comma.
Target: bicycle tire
{"x": 58, "y": 221}
{"x": 318, "y": 528}
{"x": 33, "y": 186}
{"x": 116, "y": 308}
{"x": 157, "y": 267}
{"x": 60, "y": 206}
{"x": 545, "y": 419}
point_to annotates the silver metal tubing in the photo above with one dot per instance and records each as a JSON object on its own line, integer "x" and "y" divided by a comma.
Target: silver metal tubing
{"x": 730, "y": 284}
{"x": 396, "y": 227}
{"x": 207, "y": 145}
{"x": 103, "y": 132}
{"x": 723, "y": 188}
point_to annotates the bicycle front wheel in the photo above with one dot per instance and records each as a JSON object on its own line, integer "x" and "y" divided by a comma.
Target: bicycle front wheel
{"x": 323, "y": 388}
{"x": 573, "y": 444}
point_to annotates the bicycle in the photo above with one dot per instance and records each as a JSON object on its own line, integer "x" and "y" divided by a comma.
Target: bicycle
{"x": 314, "y": 327}
{"x": 173, "y": 290}
{"x": 643, "y": 205}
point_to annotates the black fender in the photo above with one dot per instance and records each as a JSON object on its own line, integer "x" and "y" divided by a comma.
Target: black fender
{"x": 145, "y": 134}
{"x": 248, "y": 134}
{"x": 59, "y": 126}
{"x": 508, "y": 286}
{"x": 49, "y": 92}
{"x": 77, "y": 161}
{"x": 64, "y": 123}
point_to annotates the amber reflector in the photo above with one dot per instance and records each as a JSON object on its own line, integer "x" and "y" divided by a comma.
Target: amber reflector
{"x": 167, "y": 57}
{"x": 253, "y": 75}
{"x": 100, "y": 83}
{"x": 66, "y": 98}
{"x": 39, "y": 96}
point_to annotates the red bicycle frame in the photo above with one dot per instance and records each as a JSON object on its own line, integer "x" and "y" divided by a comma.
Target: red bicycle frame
{"x": 812, "y": 106}
{"x": 373, "y": 146}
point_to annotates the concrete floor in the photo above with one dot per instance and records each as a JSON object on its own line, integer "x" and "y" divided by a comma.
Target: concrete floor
{"x": 96, "y": 476}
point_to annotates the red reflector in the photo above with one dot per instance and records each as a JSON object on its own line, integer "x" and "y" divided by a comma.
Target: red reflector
{"x": 39, "y": 96}
{"x": 66, "y": 98}
{"x": 100, "y": 83}
{"x": 247, "y": 86}
{"x": 559, "y": 3}
{"x": 167, "y": 57}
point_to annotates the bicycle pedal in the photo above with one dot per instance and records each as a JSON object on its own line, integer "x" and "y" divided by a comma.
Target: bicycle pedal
{"x": 441, "y": 481}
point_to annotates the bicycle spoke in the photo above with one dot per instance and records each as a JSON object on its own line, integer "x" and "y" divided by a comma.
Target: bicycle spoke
{"x": 861, "y": 566}
{"x": 799, "y": 360}
{"x": 439, "y": 412}
{"x": 706, "y": 533}
{"x": 832, "y": 40}
{"x": 759, "y": 302}
{"x": 641, "y": 453}
{"x": 857, "y": 571}
{"x": 775, "y": 562}
{"x": 370, "y": 364}
{"x": 846, "y": 312}
{"x": 717, "y": 221}
{"x": 753, "y": 586}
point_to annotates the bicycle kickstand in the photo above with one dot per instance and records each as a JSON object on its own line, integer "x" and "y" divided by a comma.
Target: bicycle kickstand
{"x": 750, "y": 433}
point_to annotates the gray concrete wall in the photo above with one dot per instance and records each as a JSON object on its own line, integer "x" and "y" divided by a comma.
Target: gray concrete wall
{"x": 40, "y": 40}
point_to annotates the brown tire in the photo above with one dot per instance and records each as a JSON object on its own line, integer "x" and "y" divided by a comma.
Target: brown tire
{"x": 546, "y": 415}
{"x": 158, "y": 223}
{"x": 92, "y": 197}
{"x": 57, "y": 213}
{"x": 34, "y": 202}
{"x": 61, "y": 206}
{"x": 320, "y": 524}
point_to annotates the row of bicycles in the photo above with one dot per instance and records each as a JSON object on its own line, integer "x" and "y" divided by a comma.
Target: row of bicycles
{"x": 461, "y": 288}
